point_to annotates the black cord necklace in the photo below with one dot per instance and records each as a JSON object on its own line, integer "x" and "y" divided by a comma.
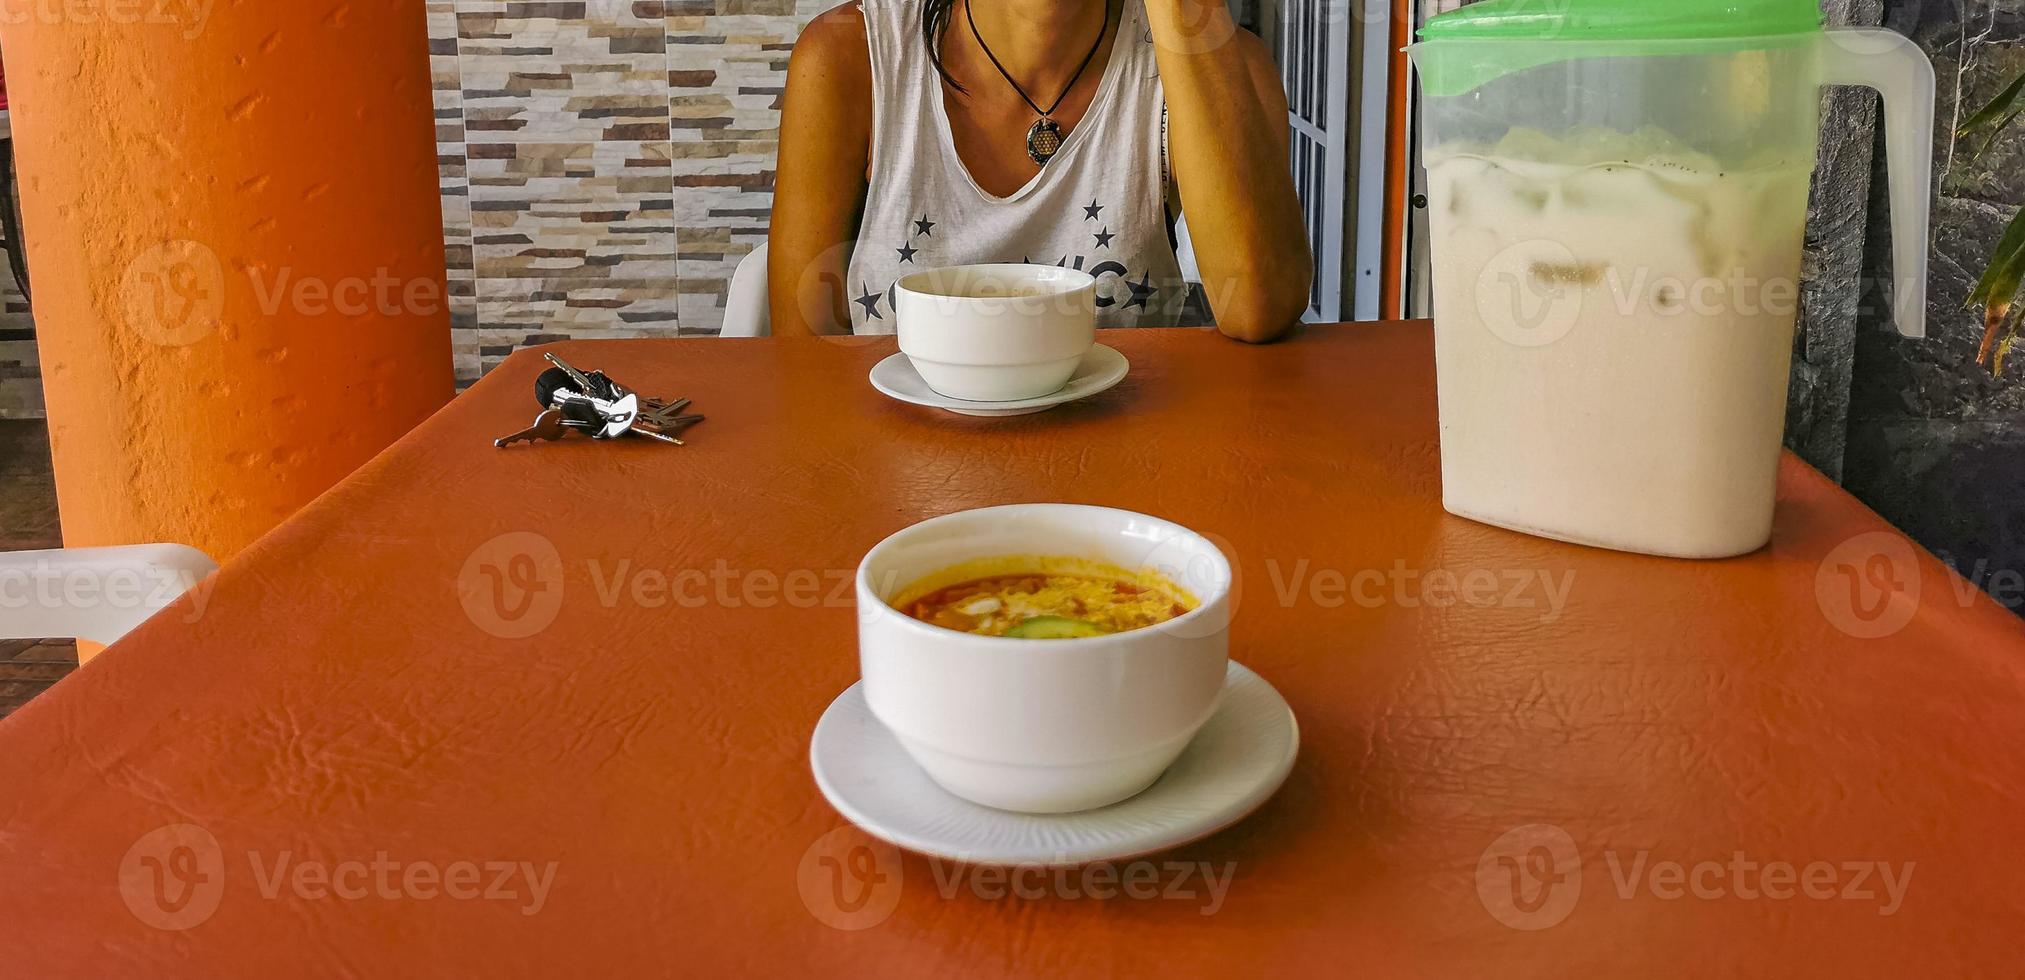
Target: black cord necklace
{"x": 1044, "y": 139}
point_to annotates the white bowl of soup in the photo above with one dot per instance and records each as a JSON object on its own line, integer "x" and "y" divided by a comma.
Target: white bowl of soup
{"x": 996, "y": 333}
{"x": 1044, "y": 658}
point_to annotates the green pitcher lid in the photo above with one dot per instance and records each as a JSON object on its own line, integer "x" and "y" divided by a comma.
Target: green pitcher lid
{"x": 1463, "y": 49}
{"x": 1626, "y": 20}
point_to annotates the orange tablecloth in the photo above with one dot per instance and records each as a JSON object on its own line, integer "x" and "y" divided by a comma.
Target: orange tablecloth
{"x": 605, "y": 660}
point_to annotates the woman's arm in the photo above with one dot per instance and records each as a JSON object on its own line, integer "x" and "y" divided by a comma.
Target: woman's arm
{"x": 1227, "y": 139}
{"x": 819, "y": 183}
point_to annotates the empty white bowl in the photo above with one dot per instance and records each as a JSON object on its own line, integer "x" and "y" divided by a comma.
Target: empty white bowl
{"x": 996, "y": 333}
{"x": 1044, "y": 726}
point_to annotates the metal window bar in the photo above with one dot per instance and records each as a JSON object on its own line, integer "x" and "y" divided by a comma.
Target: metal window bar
{"x": 1314, "y": 43}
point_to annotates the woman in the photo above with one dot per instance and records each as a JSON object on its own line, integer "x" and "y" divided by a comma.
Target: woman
{"x": 924, "y": 133}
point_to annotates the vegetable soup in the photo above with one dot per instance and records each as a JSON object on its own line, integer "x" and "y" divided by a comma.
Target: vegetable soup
{"x": 1046, "y": 599}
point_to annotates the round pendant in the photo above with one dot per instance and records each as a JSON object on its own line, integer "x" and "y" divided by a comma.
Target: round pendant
{"x": 1044, "y": 140}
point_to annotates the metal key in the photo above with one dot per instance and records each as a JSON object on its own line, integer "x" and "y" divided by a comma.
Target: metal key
{"x": 643, "y": 428}
{"x": 656, "y": 406}
{"x": 547, "y": 426}
{"x": 664, "y": 423}
{"x": 655, "y": 427}
{"x": 578, "y": 378}
{"x": 664, "y": 413}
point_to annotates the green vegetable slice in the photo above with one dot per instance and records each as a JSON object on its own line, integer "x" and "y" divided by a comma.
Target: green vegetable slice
{"x": 1055, "y": 628}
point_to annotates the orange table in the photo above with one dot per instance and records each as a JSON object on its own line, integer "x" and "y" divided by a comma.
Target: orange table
{"x": 605, "y": 660}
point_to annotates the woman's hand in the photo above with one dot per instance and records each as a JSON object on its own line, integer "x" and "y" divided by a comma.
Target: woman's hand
{"x": 1227, "y": 140}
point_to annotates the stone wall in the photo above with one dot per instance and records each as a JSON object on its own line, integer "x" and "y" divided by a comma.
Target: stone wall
{"x": 1935, "y": 444}
{"x": 20, "y": 377}
{"x": 1817, "y": 404}
{"x": 606, "y": 163}
{"x": 20, "y": 374}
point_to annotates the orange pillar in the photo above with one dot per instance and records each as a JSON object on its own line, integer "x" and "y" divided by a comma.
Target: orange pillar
{"x": 234, "y": 243}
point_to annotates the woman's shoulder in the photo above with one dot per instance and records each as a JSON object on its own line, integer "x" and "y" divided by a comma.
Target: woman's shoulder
{"x": 831, "y": 64}
{"x": 835, "y": 40}
{"x": 856, "y": 27}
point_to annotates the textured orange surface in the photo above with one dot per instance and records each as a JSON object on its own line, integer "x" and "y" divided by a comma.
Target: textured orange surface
{"x": 234, "y": 236}
{"x": 610, "y": 657}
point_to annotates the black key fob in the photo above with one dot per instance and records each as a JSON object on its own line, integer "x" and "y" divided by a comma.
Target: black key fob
{"x": 550, "y": 382}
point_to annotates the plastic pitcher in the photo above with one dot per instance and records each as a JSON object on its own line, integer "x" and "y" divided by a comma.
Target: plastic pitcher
{"x": 1617, "y": 191}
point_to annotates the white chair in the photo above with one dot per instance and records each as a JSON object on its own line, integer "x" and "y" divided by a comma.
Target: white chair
{"x": 1184, "y": 251}
{"x": 95, "y": 594}
{"x": 745, "y": 303}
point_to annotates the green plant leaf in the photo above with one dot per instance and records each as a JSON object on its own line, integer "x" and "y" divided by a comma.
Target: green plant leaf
{"x": 1996, "y": 131}
{"x": 1997, "y": 291}
{"x": 2000, "y": 334}
{"x": 2007, "y": 267}
{"x": 1995, "y": 115}
{"x": 2012, "y": 319}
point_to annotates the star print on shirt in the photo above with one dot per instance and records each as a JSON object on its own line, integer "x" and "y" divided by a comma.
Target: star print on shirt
{"x": 870, "y": 301}
{"x": 907, "y": 253}
{"x": 1090, "y": 213}
{"x": 923, "y": 226}
{"x": 1104, "y": 237}
{"x": 1141, "y": 292}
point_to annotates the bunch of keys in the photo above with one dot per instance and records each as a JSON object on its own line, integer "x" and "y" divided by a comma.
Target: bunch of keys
{"x": 593, "y": 403}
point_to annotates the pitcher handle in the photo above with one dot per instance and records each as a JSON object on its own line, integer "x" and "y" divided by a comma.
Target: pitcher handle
{"x": 1899, "y": 71}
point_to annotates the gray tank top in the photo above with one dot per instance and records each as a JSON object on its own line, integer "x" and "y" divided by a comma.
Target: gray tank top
{"x": 1098, "y": 206}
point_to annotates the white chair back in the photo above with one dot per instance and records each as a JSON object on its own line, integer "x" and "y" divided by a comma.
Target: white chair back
{"x": 745, "y": 303}
{"x": 96, "y": 594}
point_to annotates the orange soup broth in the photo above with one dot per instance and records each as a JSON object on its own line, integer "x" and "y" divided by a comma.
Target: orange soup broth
{"x": 991, "y": 596}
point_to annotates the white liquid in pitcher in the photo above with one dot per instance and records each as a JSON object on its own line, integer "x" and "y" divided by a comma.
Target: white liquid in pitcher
{"x": 1613, "y": 339}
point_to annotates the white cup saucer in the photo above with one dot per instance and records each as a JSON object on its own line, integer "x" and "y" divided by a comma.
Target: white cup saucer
{"x": 1236, "y": 762}
{"x": 1101, "y": 370}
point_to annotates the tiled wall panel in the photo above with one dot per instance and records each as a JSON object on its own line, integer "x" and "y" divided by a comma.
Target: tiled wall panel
{"x": 723, "y": 198}
{"x": 20, "y": 371}
{"x": 606, "y": 163}
{"x": 20, "y": 378}
{"x": 726, "y": 70}
{"x": 446, "y": 78}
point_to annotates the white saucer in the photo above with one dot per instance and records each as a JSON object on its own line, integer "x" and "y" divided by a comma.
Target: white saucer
{"x": 1236, "y": 762}
{"x": 1101, "y": 370}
